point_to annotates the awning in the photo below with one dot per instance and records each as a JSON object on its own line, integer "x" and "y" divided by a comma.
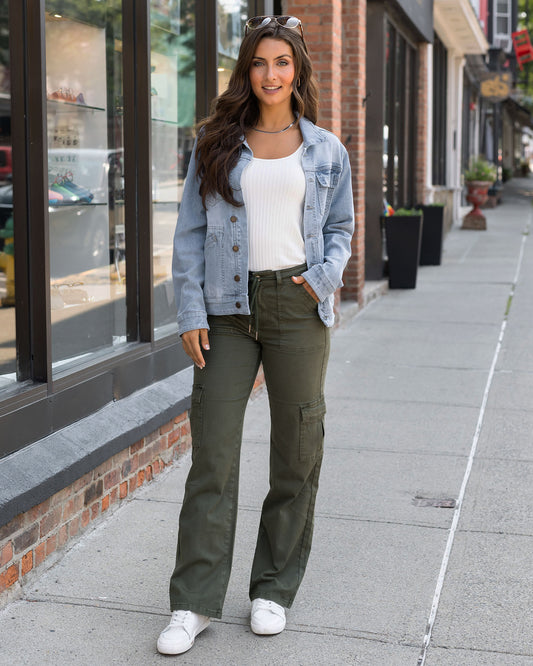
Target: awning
{"x": 518, "y": 112}
{"x": 458, "y": 27}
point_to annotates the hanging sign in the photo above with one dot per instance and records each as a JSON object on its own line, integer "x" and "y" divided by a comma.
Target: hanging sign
{"x": 496, "y": 86}
{"x": 522, "y": 47}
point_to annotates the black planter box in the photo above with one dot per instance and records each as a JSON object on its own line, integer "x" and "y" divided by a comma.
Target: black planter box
{"x": 432, "y": 232}
{"x": 403, "y": 236}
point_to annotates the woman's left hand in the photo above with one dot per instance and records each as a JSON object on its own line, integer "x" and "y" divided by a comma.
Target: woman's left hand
{"x": 298, "y": 279}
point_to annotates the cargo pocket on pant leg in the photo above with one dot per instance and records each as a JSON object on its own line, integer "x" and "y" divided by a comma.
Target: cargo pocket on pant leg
{"x": 312, "y": 429}
{"x": 197, "y": 414}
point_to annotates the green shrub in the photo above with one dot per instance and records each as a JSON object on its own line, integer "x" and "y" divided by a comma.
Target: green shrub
{"x": 404, "y": 212}
{"x": 481, "y": 170}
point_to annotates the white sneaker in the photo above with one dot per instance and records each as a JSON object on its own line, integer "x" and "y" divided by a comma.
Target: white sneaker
{"x": 267, "y": 618}
{"x": 179, "y": 636}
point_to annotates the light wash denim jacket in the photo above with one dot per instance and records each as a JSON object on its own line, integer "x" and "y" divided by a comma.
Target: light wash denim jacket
{"x": 210, "y": 261}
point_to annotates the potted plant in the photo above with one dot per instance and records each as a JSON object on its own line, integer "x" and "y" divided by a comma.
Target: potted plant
{"x": 478, "y": 178}
{"x": 403, "y": 235}
{"x": 432, "y": 233}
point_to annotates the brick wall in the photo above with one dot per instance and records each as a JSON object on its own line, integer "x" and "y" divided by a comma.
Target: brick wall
{"x": 322, "y": 25}
{"x": 32, "y": 537}
{"x": 335, "y": 33}
{"x": 353, "y": 125}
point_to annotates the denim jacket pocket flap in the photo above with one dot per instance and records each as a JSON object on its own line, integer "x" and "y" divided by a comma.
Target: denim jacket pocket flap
{"x": 214, "y": 235}
{"x": 327, "y": 178}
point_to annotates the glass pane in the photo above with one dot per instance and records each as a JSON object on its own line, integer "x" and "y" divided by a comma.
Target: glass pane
{"x": 503, "y": 7}
{"x": 173, "y": 84}
{"x": 7, "y": 245}
{"x": 85, "y": 178}
{"x": 502, "y": 26}
{"x": 232, "y": 15}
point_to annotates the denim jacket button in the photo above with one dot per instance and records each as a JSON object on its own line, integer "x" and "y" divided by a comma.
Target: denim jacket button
{"x": 237, "y": 278}
{"x": 233, "y": 218}
{"x": 235, "y": 248}
{"x": 237, "y": 305}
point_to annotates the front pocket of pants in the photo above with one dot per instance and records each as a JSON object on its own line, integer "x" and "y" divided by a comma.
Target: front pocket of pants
{"x": 301, "y": 299}
{"x": 312, "y": 429}
{"x": 309, "y": 297}
{"x": 197, "y": 414}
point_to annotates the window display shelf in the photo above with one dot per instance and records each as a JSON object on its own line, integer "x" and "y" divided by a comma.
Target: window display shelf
{"x": 58, "y": 103}
{"x": 165, "y": 122}
{"x": 75, "y": 204}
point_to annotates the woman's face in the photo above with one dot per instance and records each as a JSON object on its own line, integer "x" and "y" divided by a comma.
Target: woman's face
{"x": 272, "y": 72}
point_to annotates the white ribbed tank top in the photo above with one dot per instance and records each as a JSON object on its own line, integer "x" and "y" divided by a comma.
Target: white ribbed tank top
{"x": 274, "y": 193}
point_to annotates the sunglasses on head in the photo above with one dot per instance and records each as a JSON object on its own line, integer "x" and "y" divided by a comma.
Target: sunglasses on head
{"x": 284, "y": 21}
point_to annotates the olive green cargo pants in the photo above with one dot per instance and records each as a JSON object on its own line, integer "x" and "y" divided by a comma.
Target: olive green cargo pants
{"x": 285, "y": 333}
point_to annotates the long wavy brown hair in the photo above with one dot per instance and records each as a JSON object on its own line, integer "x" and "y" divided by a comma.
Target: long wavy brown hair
{"x": 236, "y": 110}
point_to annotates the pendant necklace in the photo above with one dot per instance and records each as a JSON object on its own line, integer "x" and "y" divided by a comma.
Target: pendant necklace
{"x": 277, "y": 131}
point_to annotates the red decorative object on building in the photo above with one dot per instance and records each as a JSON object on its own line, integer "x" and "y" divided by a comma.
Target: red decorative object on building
{"x": 522, "y": 47}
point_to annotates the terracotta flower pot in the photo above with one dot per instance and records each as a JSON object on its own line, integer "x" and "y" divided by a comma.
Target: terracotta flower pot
{"x": 477, "y": 195}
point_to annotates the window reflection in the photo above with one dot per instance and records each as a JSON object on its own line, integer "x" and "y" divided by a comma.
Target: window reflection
{"x": 232, "y": 15}
{"x": 7, "y": 233}
{"x": 173, "y": 89}
{"x": 85, "y": 178}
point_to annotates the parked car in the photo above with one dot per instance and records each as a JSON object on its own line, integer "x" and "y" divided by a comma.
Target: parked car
{"x": 86, "y": 192}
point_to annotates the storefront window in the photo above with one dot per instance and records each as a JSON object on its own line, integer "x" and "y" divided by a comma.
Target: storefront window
{"x": 399, "y": 127}
{"x": 232, "y": 15}
{"x": 173, "y": 90}
{"x": 85, "y": 178}
{"x": 7, "y": 245}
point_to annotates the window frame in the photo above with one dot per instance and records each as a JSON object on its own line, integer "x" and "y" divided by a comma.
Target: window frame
{"x": 440, "y": 89}
{"x": 502, "y": 39}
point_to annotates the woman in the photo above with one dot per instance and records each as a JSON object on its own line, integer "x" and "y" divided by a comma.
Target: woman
{"x": 262, "y": 239}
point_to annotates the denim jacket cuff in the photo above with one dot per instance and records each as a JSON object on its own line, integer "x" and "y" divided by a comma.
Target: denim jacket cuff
{"x": 192, "y": 321}
{"x": 319, "y": 282}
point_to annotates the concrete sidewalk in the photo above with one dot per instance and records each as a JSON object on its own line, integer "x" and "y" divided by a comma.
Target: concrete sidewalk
{"x": 430, "y": 396}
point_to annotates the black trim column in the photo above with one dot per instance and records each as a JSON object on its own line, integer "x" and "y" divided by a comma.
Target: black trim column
{"x": 138, "y": 171}
{"x": 375, "y": 120}
{"x": 206, "y": 56}
{"x": 19, "y": 142}
{"x": 144, "y": 170}
{"x": 37, "y": 201}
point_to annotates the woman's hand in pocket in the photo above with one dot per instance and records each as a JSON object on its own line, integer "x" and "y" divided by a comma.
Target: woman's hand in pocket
{"x": 298, "y": 279}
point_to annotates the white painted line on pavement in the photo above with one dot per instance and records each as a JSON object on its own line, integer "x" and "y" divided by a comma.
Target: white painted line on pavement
{"x": 459, "y": 504}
